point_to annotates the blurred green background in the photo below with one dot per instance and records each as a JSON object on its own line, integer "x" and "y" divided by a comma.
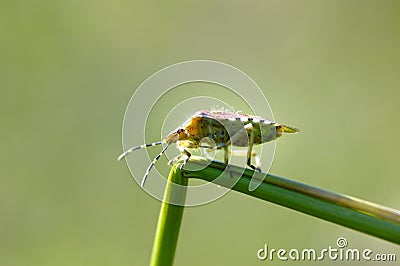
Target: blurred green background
{"x": 68, "y": 69}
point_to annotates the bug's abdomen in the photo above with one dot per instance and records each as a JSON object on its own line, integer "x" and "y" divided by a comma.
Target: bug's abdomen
{"x": 264, "y": 132}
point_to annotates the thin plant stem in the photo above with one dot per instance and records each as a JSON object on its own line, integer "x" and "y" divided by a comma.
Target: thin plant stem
{"x": 360, "y": 215}
{"x": 169, "y": 220}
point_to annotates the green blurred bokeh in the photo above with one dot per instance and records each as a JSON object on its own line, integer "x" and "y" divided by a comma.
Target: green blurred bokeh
{"x": 68, "y": 69}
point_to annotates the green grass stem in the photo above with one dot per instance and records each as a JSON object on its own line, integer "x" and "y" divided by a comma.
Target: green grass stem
{"x": 169, "y": 220}
{"x": 361, "y": 215}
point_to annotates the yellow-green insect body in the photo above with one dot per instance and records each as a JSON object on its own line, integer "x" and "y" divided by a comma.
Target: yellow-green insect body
{"x": 223, "y": 129}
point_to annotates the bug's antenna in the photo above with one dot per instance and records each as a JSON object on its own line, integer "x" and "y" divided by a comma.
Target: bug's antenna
{"x": 125, "y": 153}
{"x": 153, "y": 163}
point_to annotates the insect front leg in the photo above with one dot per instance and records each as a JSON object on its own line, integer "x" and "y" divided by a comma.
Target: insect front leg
{"x": 185, "y": 154}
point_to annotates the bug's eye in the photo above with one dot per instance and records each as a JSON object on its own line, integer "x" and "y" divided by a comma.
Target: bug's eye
{"x": 181, "y": 130}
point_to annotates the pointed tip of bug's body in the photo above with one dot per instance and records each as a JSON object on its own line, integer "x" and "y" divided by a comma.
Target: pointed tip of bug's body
{"x": 280, "y": 129}
{"x": 288, "y": 129}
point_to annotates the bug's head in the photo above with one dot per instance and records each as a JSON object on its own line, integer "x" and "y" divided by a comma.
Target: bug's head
{"x": 176, "y": 135}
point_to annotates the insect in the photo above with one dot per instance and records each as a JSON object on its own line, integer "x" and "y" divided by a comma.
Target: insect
{"x": 222, "y": 129}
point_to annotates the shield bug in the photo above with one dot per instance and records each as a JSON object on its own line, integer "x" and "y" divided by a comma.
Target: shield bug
{"x": 222, "y": 129}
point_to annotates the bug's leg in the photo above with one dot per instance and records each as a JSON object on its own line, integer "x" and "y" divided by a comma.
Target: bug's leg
{"x": 174, "y": 160}
{"x": 207, "y": 146}
{"x": 226, "y": 160}
{"x": 250, "y": 133}
{"x": 187, "y": 155}
{"x": 257, "y": 160}
{"x": 182, "y": 145}
{"x": 243, "y": 153}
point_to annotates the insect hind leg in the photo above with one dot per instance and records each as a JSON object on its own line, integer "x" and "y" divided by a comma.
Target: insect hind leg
{"x": 250, "y": 133}
{"x": 226, "y": 160}
{"x": 248, "y": 128}
{"x": 243, "y": 153}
